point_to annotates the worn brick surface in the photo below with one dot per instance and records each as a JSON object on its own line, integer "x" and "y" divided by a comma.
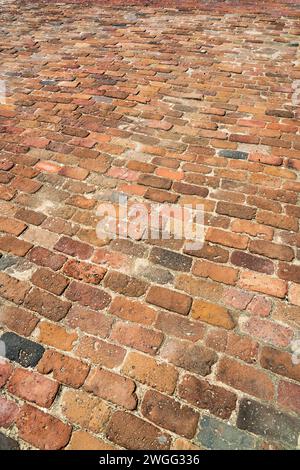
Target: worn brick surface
{"x": 138, "y": 342}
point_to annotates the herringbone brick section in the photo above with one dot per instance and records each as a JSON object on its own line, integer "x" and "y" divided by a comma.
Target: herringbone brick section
{"x": 146, "y": 344}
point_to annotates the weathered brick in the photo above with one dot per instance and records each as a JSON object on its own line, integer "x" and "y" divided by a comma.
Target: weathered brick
{"x": 280, "y": 362}
{"x": 42, "y": 430}
{"x": 170, "y": 300}
{"x": 180, "y": 327}
{"x": 123, "y": 284}
{"x": 145, "y": 369}
{"x": 43, "y": 257}
{"x": 170, "y": 259}
{"x": 5, "y": 371}
{"x": 194, "y": 358}
{"x": 137, "y": 337}
{"x": 213, "y": 314}
{"x": 65, "y": 369}
{"x": 7, "y": 443}
{"x": 267, "y": 331}
{"x": 262, "y": 283}
{"x": 254, "y": 263}
{"x": 74, "y": 248}
{"x": 217, "y": 435}
{"x": 100, "y": 352}
{"x": 88, "y": 411}
{"x": 87, "y": 295}
{"x": 112, "y": 387}
{"x": 94, "y": 323}
{"x": 289, "y": 396}
{"x": 18, "y": 320}
{"x": 132, "y": 310}
{"x": 12, "y": 289}
{"x": 8, "y": 412}
{"x": 46, "y": 304}
{"x": 268, "y": 422}
{"x": 132, "y": 432}
{"x": 201, "y": 394}
{"x": 271, "y": 250}
{"x": 245, "y": 378}
{"x": 49, "y": 280}
{"x": 56, "y": 336}
{"x": 82, "y": 440}
{"x": 85, "y": 272}
{"x": 169, "y": 414}
{"x": 33, "y": 387}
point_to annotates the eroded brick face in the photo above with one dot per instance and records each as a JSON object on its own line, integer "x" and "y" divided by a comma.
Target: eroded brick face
{"x": 144, "y": 343}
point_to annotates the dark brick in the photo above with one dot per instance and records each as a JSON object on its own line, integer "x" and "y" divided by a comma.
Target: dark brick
{"x": 254, "y": 263}
{"x": 6, "y": 443}
{"x": 170, "y": 259}
{"x": 233, "y": 154}
{"x": 21, "y": 350}
{"x": 268, "y": 422}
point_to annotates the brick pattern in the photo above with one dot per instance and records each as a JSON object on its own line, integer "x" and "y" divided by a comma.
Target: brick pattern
{"x": 145, "y": 344}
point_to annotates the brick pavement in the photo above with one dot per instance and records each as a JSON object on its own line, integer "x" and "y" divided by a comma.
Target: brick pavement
{"x": 145, "y": 344}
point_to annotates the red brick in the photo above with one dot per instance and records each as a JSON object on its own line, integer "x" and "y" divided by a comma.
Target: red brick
{"x": 94, "y": 323}
{"x": 132, "y": 310}
{"x": 245, "y": 378}
{"x": 48, "y": 280}
{"x": 30, "y": 217}
{"x": 170, "y": 300}
{"x": 169, "y": 414}
{"x": 260, "y": 306}
{"x": 226, "y": 238}
{"x": 263, "y": 283}
{"x": 137, "y": 337}
{"x": 285, "y": 222}
{"x": 12, "y": 226}
{"x": 271, "y": 250}
{"x": 87, "y": 295}
{"x": 242, "y": 347}
{"x": 100, "y": 352}
{"x": 172, "y": 325}
{"x": 252, "y": 228}
{"x": 237, "y": 298}
{"x": 112, "y": 387}
{"x": 215, "y": 272}
{"x": 85, "y": 272}
{"x": 33, "y": 387}
{"x": 5, "y": 371}
{"x": 267, "y": 331}
{"x": 145, "y": 369}
{"x": 65, "y": 369}
{"x": 294, "y": 294}
{"x": 74, "y": 248}
{"x": 12, "y": 289}
{"x": 9, "y": 411}
{"x": 14, "y": 246}
{"x": 17, "y": 319}
{"x": 235, "y": 210}
{"x": 254, "y": 263}
{"x": 134, "y": 433}
{"x": 279, "y": 362}
{"x": 42, "y": 430}
{"x": 43, "y": 257}
{"x": 289, "y": 396}
{"x": 201, "y": 394}
{"x": 289, "y": 272}
{"x": 194, "y": 358}
{"x": 46, "y": 304}
{"x": 123, "y": 284}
